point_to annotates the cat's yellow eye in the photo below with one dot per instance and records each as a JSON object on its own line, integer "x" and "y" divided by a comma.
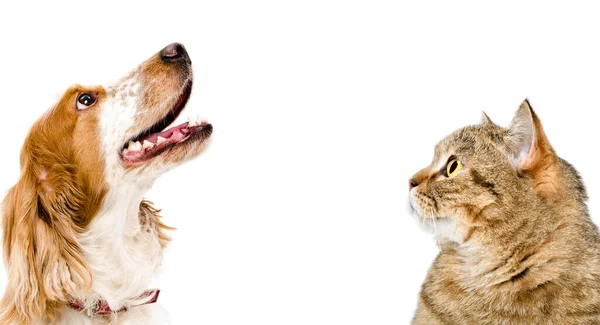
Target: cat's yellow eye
{"x": 452, "y": 167}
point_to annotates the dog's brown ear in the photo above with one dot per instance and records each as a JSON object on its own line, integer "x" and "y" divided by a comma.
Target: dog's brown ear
{"x": 42, "y": 256}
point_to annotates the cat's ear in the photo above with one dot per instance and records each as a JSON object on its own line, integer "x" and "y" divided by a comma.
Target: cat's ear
{"x": 521, "y": 135}
{"x": 530, "y": 151}
{"x": 485, "y": 119}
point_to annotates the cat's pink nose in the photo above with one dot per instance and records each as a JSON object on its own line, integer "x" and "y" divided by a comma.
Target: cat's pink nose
{"x": 412, "y": 183}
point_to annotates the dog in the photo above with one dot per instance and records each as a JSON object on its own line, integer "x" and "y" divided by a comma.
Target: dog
{"x": 80, "y": 243}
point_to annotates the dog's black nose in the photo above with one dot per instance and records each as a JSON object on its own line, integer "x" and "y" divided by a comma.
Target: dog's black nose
{"x": 173, "y": 53}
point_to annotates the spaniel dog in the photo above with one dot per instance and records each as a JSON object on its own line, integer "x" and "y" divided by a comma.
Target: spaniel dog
{"x": 80, "y": 242}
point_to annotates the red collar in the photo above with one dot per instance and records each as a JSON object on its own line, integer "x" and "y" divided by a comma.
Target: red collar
{"x": 102, "y": 308}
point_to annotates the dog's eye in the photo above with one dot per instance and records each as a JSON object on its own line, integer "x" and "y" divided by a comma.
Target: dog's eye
{"x": 84, "y": 101}
{"x": 452, "y": 167}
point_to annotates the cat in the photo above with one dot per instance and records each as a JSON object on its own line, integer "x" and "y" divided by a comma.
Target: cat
{"x": 517, "y": 242}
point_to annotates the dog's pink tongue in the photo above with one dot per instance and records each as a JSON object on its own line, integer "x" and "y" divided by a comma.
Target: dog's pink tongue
{"x": 175, "y": 133}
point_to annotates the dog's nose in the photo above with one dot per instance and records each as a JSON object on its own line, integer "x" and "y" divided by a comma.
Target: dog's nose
{"x": 173, "y": 53}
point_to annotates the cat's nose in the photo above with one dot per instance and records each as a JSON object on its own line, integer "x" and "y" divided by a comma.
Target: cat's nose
{"x": 418, "y": 178}
{"x": 412, "y": 183}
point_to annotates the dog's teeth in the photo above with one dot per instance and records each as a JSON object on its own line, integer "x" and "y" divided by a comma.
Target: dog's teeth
{"x": 160, "y": 140}
{"x": 130, "y": 144}
{"x": 135, "y": 146}
{"x": 147, "y": 144}
{"x": 125, "y": 151}
{"x": 192, "y": 123}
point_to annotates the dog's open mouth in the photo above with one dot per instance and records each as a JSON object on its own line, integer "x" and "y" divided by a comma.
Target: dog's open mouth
{"x": 159, "y": 138}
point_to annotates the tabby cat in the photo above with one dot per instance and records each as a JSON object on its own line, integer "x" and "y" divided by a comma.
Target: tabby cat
{"x": 517, "y": 242}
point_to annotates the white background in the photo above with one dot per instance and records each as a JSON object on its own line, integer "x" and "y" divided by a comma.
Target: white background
{"x": 322, "y": 111}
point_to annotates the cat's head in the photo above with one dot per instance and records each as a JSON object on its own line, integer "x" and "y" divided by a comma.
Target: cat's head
{"x": 485, "y": 176}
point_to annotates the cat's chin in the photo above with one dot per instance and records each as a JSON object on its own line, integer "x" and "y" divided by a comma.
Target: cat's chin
{"x": 442, "y": 228}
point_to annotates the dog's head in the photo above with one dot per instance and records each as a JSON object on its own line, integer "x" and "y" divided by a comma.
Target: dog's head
{"x": 135, "y": 116}
{"x": 93, "y": 139}
{"x": 129, "y": 122}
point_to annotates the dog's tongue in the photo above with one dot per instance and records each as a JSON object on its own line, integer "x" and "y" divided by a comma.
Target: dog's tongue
{"x": 177, "y": 133}
{"x": 155, "y": 143}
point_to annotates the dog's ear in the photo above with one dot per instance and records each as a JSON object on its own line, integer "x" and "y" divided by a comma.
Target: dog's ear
{"x": 42, "y": 256}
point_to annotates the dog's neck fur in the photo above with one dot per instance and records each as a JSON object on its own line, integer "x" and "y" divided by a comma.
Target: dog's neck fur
{"x": 122, "y": 253}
